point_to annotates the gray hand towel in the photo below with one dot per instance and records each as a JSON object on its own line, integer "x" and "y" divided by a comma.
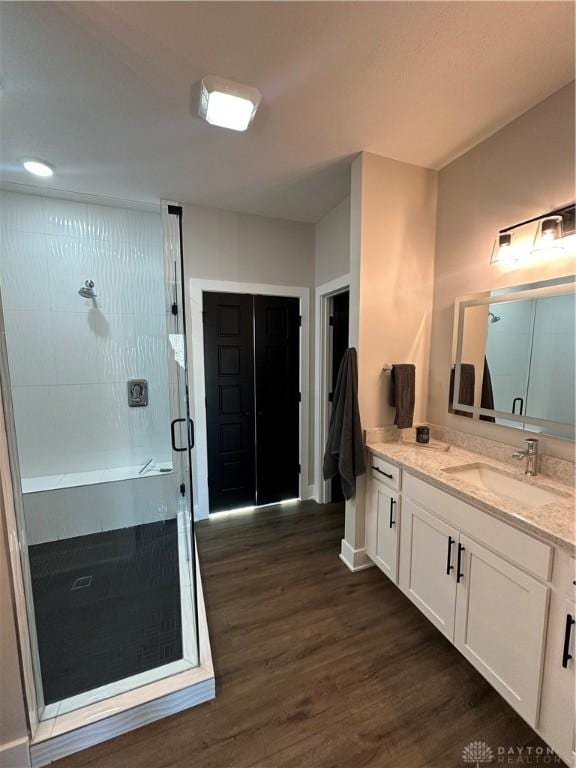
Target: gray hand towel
{"x": 403, "y": 393}
{"x": 466, "y": 391}
{"x": 344, "y": 453}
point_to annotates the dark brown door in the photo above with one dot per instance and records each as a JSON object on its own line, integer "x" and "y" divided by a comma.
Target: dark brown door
{"x": 339, "y": 324}
{"x": 277, "y": 345}
{"x": 229, "y": 376}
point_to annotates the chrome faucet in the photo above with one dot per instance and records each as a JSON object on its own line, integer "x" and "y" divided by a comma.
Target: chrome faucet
{"x": 530, "y": 453}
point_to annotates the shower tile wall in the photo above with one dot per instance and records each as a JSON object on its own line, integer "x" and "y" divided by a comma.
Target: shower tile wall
{"x": 70, "y": 357}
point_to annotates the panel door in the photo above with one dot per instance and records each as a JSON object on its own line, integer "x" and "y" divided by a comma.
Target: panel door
{"x": 229, "y": 374}
{"x": 428, "y": 565}
{"x": 501, "y": 616}
{"x": 277, "y": 353}
{"x": 383, "y": 528}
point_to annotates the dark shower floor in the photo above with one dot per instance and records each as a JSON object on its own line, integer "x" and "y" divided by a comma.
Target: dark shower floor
{"x": 107, "y": 606}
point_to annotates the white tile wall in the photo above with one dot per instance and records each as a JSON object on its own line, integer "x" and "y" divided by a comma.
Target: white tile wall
{"x": 70, "y": 357}
{"x": 78, "y": 511}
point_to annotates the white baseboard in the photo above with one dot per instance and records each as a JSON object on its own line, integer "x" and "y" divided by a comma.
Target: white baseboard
{"x": 355, "y": 559}
{"x": 15, "y": 754}
{"x": 310, "y": 493}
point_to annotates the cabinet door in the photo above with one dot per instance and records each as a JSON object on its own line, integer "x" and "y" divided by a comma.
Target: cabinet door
{"x": 382, "y": 528}
{"x": 501, "y": 615}
{"x": 427, "y": 565}
{"x": 558, "y": 707}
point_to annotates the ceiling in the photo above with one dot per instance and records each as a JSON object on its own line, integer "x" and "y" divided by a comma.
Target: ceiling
{"x": 105, "y": 92}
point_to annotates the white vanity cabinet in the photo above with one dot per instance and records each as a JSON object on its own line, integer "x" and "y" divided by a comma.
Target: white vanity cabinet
{"x": 427, "y": 564}
{"x": 492, "y": 611}
{"x": 504, "y": 597}
{"x": 500, "y": 625}
{"x": 383, "y": 517}
{"x": 558, "y": 709}
{"x": 467, "y": 571}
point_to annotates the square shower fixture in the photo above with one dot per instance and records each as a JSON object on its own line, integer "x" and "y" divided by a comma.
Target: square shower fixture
{"x": 228, "y": 104}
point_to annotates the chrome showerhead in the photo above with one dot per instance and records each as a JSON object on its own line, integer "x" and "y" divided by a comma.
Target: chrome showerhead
{"x": 493, "y": 318}
{"x": 87, "y": 290}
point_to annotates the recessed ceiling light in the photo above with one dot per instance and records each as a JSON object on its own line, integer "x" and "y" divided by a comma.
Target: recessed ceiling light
{"x": 228, "y": 104}
{"x": 38, "y": 168}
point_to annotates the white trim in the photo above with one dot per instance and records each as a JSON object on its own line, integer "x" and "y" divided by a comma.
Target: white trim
{"x": 355, "y": 559}
{"x": 321, "y": 383}
{"x": 310, "y": 493}
{"x": 196, "y": 335}
{"x": 15, "y": 754}
{"x": 103, "y": 720}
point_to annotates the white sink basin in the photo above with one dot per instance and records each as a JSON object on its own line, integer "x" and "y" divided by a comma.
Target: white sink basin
{"x": 484, "y": 476}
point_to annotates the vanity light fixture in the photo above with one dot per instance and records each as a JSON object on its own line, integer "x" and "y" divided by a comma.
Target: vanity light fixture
{"x": 228, "y": 104}
{"x": 550, "y": 231}
{"x": 551, "y": 228}
{"x": 38, "y": 167}
{"x": 548, "y": 234}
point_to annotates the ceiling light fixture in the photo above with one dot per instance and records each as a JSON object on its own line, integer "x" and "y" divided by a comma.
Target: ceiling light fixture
{"x": 228, "y": 104}
{"x": 38, "y": 168}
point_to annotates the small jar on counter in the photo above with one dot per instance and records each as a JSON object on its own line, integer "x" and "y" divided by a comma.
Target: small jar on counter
{"x": 423, "y": 435}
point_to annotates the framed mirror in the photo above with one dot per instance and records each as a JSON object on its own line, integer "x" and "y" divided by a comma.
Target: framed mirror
{"x": 513, "y": 357}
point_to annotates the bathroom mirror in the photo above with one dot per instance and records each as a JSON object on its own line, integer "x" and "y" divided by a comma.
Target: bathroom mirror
{"x": 513, "y": 360}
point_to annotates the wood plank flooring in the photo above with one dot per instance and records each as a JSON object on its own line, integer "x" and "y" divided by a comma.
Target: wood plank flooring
{"x": 316, "y": 667}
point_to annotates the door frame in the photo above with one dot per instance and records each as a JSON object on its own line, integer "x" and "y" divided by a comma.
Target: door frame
{"x": 196, "y": 287}
{"x": 322, "y": 384}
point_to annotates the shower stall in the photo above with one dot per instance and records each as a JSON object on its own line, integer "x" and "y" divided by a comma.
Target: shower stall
{"x": 96, "y": 409}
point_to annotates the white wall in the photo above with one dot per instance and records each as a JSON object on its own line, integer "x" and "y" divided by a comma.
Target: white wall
{"x": 397, "y": 220}
{"x": 222, "y": 245}
{"x": 70, "y": 358}
{"x": 393, "y": 218}
{"x": 523, "y": 170}
{"x": 237, "y": 247}
{"x": 332, "y": 244}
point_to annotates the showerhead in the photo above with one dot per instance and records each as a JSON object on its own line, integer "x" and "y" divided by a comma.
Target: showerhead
{"x": 493, "y": 318}
{"x": 87, "y": 290}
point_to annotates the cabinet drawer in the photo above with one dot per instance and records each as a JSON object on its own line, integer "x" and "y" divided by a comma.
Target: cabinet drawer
{"x": 385, "y": 472}
{"x": 531, "y": 554}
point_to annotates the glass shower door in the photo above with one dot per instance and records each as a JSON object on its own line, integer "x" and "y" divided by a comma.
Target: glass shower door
{"x": 181, "y": 425}
{"x": 95, "y": 383}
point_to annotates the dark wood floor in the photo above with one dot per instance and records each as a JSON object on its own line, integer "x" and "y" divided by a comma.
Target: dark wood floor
{"x": 316, "y": 667}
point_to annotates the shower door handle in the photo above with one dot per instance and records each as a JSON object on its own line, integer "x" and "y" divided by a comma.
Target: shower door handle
{"x": 173, "y": 434}
{"x": 190, "y": 434}
{"x": 516, "y": 399}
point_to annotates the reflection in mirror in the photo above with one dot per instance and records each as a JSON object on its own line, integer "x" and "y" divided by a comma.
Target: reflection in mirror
{"x": 514, "y": 360}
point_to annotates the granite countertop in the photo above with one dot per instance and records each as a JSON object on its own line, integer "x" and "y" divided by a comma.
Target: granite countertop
{"x": 554, "y": 522}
